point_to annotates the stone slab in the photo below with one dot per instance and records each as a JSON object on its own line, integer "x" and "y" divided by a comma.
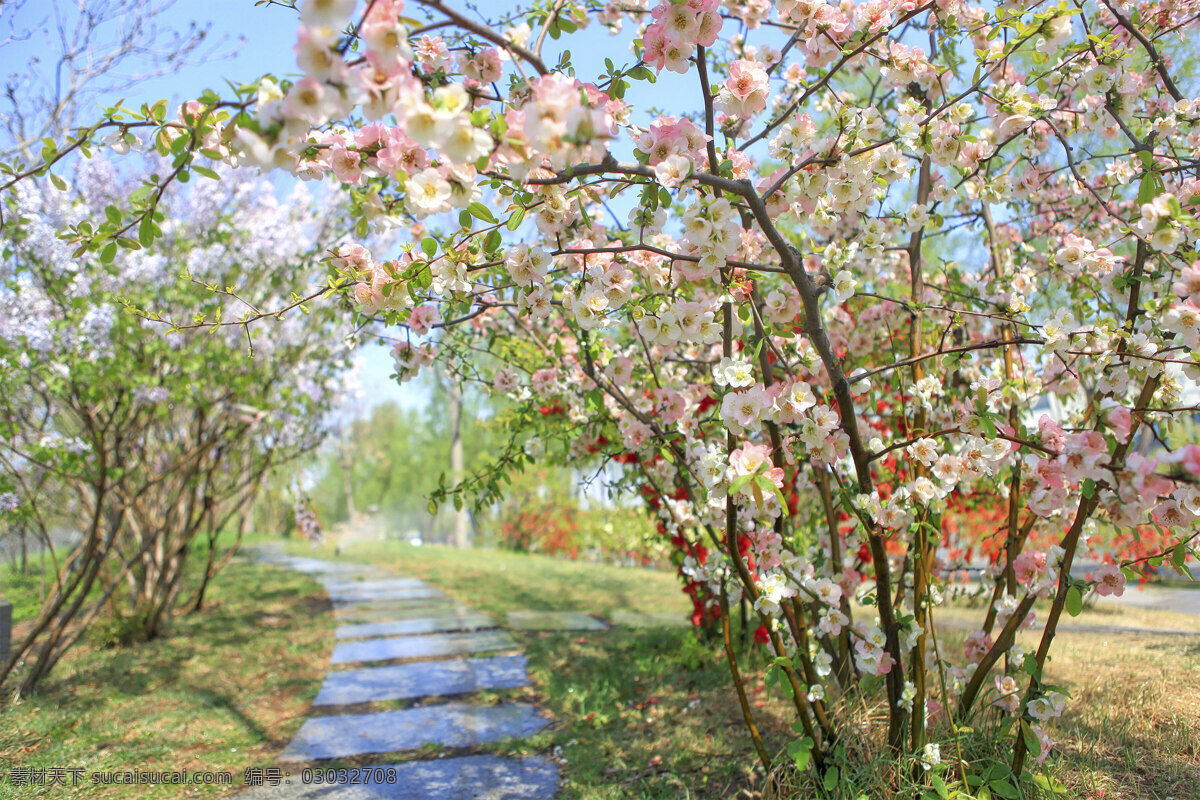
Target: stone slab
{"x": 416, "y": 627}
{"x": 383, "y": 612}
{"x": 318, "y": 565}
{"x": 341, "y": 585}
{"x": 393, "y": 602}
{"x": 554, "y": 621}
{"x": 372, "y": 595}
{"x": 484, "y": 777}
{"x": 423, "y": 679}
{"x": 657, "y": 619}
{"x": 450, "y": 725}
{"x": 442, "y": 644}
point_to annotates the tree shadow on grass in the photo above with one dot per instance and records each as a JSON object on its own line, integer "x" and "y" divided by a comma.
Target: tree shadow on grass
{"x": 647, "y": 709}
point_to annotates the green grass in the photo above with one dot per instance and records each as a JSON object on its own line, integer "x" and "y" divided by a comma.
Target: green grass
{"x": 224, "y": 690}
{"x": 649, "y": 713}
{"x": 498, "y": 581}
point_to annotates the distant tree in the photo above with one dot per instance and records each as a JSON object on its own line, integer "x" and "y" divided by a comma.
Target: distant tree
{"x": 392, "y": 461}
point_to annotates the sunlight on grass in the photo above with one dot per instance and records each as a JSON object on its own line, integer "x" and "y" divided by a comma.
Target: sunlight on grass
{"x": 223, "y": 691}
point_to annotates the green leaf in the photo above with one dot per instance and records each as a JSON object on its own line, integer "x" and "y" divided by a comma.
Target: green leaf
{"x": 108, "y": 253}
{"x": 113, "y": 215}
{"x": 831, "y": 779}
{"x": 939, "y": 786}
{"x": 799, "y": 752}
{"x": 1074, "y": 601}
{"x": 1032, "y": 742}
{"x": 764, "y": 482}
{"x": 518, "y": 216}
{"x": 58, "y": 182}
{"x": 492, "y": 242}
{"x": 480, "y": 211}
{"x": 1005, "y": 789}
{"x": 739, "y": 482}
{"x": 1179, "y": 555}
{"x": 1149, "y": 188}
{"x": 1049, "y": 784}
{"x": 148, "y": 231}
{"x": 429, "y": 246}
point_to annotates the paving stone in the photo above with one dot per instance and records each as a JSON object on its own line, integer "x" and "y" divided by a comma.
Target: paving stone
{"x": 554, "y": 621}
{"x": 423, "y": 679}
{"x": 383, "y": 612}
{"x": 484, "y": 777}
{"x": 341, "y": 585}
{"x": 398, "y": 603}
{"x": 416, "y": 627}
{"x": 656, "y": 619}
{"x": 317, "y": 565}
{"x": 450, "y": 725}
{"x": 443, "y": 644}
{"x": 372, "y": 595}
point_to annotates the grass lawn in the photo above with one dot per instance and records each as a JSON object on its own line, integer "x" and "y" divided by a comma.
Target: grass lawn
{"x": 224, "y": 690}
{"x": 638, "y": 714}
{"x": 646, "y": 714}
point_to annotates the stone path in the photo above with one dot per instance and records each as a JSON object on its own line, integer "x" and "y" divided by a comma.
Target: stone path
{"x": 402, "y": 639}
{"x": 1184, "y": 600}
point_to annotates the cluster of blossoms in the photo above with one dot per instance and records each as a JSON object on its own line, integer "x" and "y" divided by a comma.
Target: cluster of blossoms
{"x": 746, "y": 90}
{"x": 673, "y": 147}
{"x": 712, "y": 234}
{"x": 678, "y": 27}
{"x": 566, "y": 119}
{"x": 409, "y": 360}
{"x": 306, "y": 521}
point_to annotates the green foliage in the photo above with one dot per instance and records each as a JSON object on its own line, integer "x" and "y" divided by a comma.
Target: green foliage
{"x": 397, "y": 457}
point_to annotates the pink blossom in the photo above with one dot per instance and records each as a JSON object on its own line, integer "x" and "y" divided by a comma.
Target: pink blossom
{"x": 423, "y": 319}
{"x": 1120, "y": 421}
{"x": 751, "y": 458}
{"x": 977, "y": 646}
{"x": 1188, "y": 284}
{"x": 1110, "y": 580}
{"x": 1189, "y": 457}
{"x": 545, "y": 382}
{"x": 345, "y": 164}
{"x": 745, "y": 91}
{"x": 1029, "y": 565}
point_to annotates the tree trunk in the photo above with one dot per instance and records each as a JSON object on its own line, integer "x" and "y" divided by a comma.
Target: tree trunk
{"x": 462, "y": 520}
{"x": 348, "y": 481}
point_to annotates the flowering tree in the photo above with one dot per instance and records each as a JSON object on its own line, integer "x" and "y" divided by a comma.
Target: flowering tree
{"x": 810, "y": 308}
{"x": 147, "y": 443}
